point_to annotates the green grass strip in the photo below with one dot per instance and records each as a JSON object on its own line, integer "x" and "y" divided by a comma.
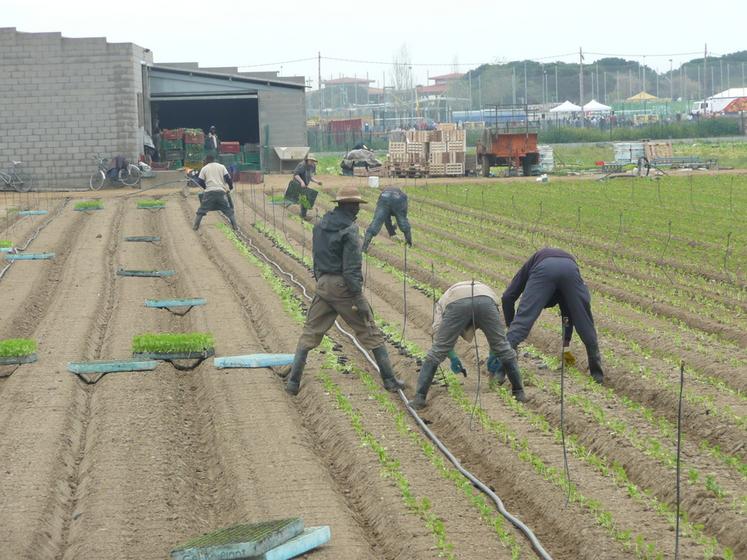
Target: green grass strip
{"x": 89, "y": 205}
{"x": 17, "y": 347}
{"x": 168, "y": 343}
{"x": 6, "y": 243}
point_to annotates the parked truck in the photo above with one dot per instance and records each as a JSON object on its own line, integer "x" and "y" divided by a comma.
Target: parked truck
{"x": 731, "y": 101}
{"x": 511, "y": 143}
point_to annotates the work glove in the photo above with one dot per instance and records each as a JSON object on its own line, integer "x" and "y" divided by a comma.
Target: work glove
{"x": 456, "y": 366}
{"x": 494, "y": 364}
{"x": 568, "y": 358}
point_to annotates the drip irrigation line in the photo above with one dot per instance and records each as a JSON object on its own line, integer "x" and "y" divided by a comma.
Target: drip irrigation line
{"x": 566, "y": 470}
{"x": 677, "y": 484}
{"x": 34, "y": 236}
{"x": 516, "y": 522}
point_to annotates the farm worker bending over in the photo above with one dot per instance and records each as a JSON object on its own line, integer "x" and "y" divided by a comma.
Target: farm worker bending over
{"x": 304, "y": 175}
{"x": 551, "y": 277}
{"x": 392, "y": 202}
{"x": 339, "y": 290}
{"x": 217, "y": 182}
{"x": 464, "y": 307}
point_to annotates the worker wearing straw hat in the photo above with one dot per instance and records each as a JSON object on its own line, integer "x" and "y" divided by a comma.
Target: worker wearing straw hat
{"x": 339, "y": 290}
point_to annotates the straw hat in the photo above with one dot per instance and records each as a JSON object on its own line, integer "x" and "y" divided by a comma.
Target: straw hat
{"x": 311, "y": 157}
{"x": 349, "y": 194}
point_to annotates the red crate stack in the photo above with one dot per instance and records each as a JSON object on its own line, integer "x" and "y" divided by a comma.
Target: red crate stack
{"x": 194, "y": 136}
{"x": 230, "y": 147}
{"x": 172, "y": 134}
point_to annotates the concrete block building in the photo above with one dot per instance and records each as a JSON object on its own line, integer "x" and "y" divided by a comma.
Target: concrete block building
{"x": 65, "y": 99}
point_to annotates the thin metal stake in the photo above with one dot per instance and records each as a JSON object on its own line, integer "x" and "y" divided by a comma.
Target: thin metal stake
{"x": 679, "y": 441}
{"x": 564, "y": 325}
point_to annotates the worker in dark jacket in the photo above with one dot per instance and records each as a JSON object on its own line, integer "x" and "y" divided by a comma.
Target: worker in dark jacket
{"x": 465, "y": 307}
{"x": 551, "y": 277}
{"x": 339, "y": 290}
{"x": 392, "y": 202}
{"x": 303, "y": 174}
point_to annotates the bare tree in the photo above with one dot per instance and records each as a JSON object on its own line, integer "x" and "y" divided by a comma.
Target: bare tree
{"x": 402, "y": 80}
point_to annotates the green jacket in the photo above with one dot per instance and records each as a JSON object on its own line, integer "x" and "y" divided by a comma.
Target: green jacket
{"x": 337, "y": 249}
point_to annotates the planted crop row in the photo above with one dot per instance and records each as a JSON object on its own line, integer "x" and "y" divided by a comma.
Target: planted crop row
{"x": 604, "y": 518}
{"x": 485, "y": 274}
{"x": 641, "y": 412}
{"x": 390, "y": 466}
{"x": 695, "y": 300}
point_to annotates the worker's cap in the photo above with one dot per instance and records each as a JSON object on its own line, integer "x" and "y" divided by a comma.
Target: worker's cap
{"x": 212, "y": 127}
{"x": 311, "y": 157}
{"x": 349, "y": 194}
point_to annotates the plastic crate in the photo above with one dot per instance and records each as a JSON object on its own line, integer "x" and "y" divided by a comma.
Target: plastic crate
{"x": 172, "y": 134}
{"x": 228, "y": 159}
{"x": 194, "y": 136}
{"x": 172, "y": 145}
{"x": 229, "y": 148}
{"x": 176, "y": 164}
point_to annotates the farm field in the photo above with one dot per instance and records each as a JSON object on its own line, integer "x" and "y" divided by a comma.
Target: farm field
{"x": 139, "y": 462}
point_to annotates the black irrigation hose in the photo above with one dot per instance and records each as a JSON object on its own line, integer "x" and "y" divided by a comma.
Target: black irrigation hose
{"x": 536, "y": 545}
{"x": 34, "y": 236}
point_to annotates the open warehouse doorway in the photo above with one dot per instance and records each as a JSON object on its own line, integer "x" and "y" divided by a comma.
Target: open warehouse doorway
{"x": 236, "y": 120}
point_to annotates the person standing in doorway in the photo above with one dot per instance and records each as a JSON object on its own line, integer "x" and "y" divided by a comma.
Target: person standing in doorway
{"x": 212, "y": 143}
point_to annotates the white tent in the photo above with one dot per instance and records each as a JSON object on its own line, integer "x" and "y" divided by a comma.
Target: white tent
{"x": 566, "y": 107}
{"x": 595, "y": 106}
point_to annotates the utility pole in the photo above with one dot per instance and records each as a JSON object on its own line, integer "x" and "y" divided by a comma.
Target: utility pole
{"x": 705, "y": 72}
{"x": 321, "y": 98}
{"x": 526, "y": 92}
{"x": 643, "y": 69}
{"x": 721, "y": 73}
{"x": 513, "y": 82}
{"x": 580, "y": 77}
{"x": 605, "y": 88}
{"x": 557, "y": 98}
{"x": 671, "y": 81}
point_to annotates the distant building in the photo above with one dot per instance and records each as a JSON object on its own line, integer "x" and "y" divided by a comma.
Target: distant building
{"x": 341, "y": 93}
{"x": 66, "y": 99}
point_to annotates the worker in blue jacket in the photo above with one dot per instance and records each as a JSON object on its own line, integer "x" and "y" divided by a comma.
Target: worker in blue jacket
{"x": 551, "y": 277}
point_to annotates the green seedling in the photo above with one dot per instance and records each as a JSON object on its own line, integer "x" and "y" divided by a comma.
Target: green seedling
{"x": 17, "y": 347}
{"x": 6, "y": 243}
{"x": 150, "y": 203}
{"x": 168, "y": 343}
{"x": 89, "y": 205}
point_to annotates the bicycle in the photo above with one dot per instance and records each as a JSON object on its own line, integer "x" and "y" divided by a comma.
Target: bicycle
{"x": 128, "y": 175}
{"x": 17, "y": 178}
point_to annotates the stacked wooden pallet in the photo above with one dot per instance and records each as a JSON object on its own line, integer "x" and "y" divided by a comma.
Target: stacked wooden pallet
{"x": 439, "y": 152}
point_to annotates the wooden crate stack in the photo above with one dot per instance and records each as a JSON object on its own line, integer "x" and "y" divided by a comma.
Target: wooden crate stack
{"x": 434, "y": 153}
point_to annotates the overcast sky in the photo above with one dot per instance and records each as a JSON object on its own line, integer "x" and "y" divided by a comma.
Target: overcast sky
{"x": 253, "y": 33}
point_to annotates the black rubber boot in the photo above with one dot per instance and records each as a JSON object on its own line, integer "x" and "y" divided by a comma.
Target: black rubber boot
{"x": 595, "y": 364}
{"x": 391, "y": 383}
{"x": 408, "y": 237}
{"x": 232, "y": 219}
{"x": 514, "y": 376}
{"x": 196, "y": 224}
{"x": 425, "y": 378}
{"x": 366, "y": 242}
{"x": 293, "y": 385}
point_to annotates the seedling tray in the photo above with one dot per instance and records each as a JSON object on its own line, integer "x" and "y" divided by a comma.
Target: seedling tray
{"x": 156, "y": 207}
{"x": 89, "y": 209}
{"x": 240, "y": 541}
{"x": 143, "y": 238}
{"x": 111, "y": 366}
{"x": 254, "y": 361}
{"x": 14, "y": 360}
{"x": 6, "y": 249}
{"x": 168, "y": 304}
{"x": 168, "y": 356}
{"x": 308, "y": 540}
{"x": 145, "y": 273}
{"x": 28, "y": 256}
{"x": 32, "y": 212}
